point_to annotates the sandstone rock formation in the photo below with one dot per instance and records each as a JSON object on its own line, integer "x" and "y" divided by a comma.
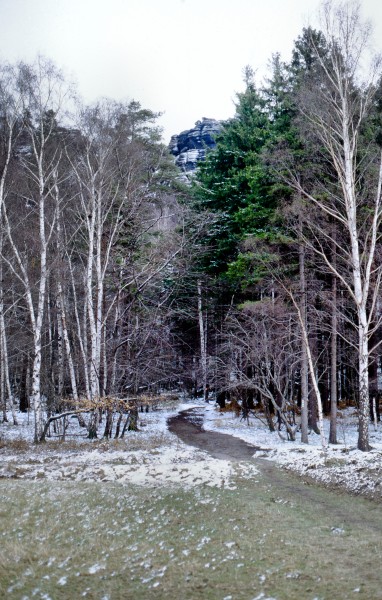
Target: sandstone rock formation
{"x": 190, "y": 147}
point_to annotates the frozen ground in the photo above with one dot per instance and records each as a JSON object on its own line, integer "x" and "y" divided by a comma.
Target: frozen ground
{"x": 151, "y": 456}
{"x": 155, "y": 456}
{"x": 344, "y": 466}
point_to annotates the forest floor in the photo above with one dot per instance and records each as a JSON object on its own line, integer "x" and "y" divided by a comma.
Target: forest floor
{"x": 155, "y": 454}
{"x": 175, "y": 510}
{"x": 342, "y": 466}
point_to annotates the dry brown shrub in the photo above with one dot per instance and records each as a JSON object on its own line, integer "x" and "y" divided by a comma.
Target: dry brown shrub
{"x": 232, "y": 406}
{"x": 17, "y": 445}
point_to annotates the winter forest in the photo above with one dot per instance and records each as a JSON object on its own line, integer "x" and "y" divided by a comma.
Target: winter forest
{"x": 257, "y": 282}
{"x": 191, "y": 361}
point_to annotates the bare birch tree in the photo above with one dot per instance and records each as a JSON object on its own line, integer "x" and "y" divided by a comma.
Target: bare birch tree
{"x": 10, "y": 105}
{"x": 42, "y": 91}
{"x": 336, "y": 107}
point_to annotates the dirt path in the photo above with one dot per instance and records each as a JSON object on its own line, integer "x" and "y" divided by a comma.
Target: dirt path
{"x": 187, "y": 425}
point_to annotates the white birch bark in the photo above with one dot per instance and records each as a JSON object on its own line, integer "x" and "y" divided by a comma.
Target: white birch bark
{"x": 203, "y": 340}
{"x": 93, "y": 365}
{"x": 304, "y": 350}
{"x": 41, "y": 89}
{"x": 36, "y": 367}
{"x": 10, "y": 103}
{"x": 337, "y": 111}
{"x": 313, "y": 375}
{"x": 6, "y": 389}
{"x": 2, "y": 390}
{"x": 65, "y": 336}
{"x": 82, "y": 331}
{"x": 60, "y": 353}
{"x": 333, "y": 365}
{"x": 5, "y": 369}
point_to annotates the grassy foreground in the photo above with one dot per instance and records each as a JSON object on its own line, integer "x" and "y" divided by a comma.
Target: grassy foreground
{"x": 111, "y": 541}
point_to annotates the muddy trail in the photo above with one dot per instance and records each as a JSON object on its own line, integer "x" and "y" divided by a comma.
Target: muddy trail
{"x": 342, "y": 506}
{"x": 188, "y": 426}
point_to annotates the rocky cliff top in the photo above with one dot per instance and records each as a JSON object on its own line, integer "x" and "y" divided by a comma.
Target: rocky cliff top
{"x": 190, "y": 147}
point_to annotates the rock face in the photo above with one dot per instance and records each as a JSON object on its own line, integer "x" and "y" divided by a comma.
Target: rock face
{"x": 190, "y": 147}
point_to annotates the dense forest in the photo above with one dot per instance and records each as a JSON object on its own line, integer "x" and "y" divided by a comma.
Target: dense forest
{"x": 258, "y": 283}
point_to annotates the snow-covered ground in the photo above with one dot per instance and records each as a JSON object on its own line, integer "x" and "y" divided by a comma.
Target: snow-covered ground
{"x": 155, "y": 456}
{"x": 152, "y": 455}
{"x": 342, "y": 466}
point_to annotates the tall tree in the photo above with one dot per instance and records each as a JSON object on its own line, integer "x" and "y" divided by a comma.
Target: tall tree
{"x": 234, "y": 184}
{"x": 336, "y": 106}
{"x": 43, "y": 93}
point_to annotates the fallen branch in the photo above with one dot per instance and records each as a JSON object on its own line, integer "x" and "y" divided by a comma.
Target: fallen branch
{"x": 56, "y": 417}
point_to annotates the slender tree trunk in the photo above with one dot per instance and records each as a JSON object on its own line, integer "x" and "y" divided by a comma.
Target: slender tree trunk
{"x": 333, "y": 365}
{"x": 93, "y": 371}
{"x": 68, "y": 350}
{"x": 5, "y": 370}
{"x": 312, "y": 372}
{"x": 314, "y": 382}
{"x": 36, "y": 369}
{"x": 36, "y": 399}
{"x": 313, "y": 407}
{"x": 6, "y": 389}
{"x": 99, "y": 296}
{"x": 24, "y": 384}
{"x": 203, "y": 341}
{"x": 118, "y": 425}
{"x": 109, "y": 424}
{"x": 104, "y": 363}
{"x": 51, "y": 356}
{"x": 93, "y": 425}
{"x": 82, "y": 331}
{"x": 113, "y": 376}
{"x": 61, "y": 315}
{"x": 2, "y": 389}
{"x": 65, "y": 337}
{"x": 126, "y": 423}
{"x": 60, "y": 354}
{"x": 133, "y": 422}
{"x": 304, "y": 355}
{"x": 8, "y": 147}
{"x": 363, "y": 431}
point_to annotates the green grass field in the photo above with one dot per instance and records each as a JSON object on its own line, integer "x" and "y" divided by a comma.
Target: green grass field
{"x": 110, "y": 541}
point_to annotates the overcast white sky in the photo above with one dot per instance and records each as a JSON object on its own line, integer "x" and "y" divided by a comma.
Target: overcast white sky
{"x": 181, "y": 57}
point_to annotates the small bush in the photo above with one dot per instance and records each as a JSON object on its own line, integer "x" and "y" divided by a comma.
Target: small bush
{"x": 232, "y": 406}
{"x": 17, "y": 445}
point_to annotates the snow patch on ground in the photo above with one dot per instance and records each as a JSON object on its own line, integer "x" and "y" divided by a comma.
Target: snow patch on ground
{"x": 343, "y": 465}
{"x": 163, "y": 459}
{"x": 154, "y": 456}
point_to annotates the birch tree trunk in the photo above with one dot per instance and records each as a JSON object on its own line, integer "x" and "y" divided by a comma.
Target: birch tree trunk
{"x": 203, "y": 341}
{"x": 333, "y": 365}
{"x": 63, "y": 333}
{"x": 82, "y": 332}
{"x": 312, "y": 372}
{"x": 60, "y": 354}
{"x": 10, "y": 101}
{"x": 93, "y": 365}
{"x": 42, "y": 89}
{"x": 68, "y": 350}
{"x": 304, "y": 350}
{"x": 36, "y": 367}
{"x": 6, "y": 389}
